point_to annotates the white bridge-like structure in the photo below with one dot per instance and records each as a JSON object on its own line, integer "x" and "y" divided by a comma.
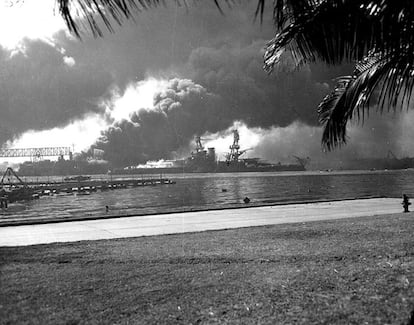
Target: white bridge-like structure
{"x": 36, "y": 153}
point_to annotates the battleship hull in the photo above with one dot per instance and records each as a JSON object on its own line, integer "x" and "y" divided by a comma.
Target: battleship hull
{"x": 392, "y": 164}
{"x": 220, "y": 167}
{"x": 223, "y": 167}
{"x": 381, "y": 164}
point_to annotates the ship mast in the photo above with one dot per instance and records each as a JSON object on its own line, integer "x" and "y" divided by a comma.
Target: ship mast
{"x": 199, "y": 147}
{"x": 235, "y": 152}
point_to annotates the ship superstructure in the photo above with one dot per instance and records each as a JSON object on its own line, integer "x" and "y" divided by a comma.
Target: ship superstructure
{"x": 234, "y": 163}
{"x": 204, "y": 160}
{"x": 235, "y": 152}
{"x": 201, "y": 160}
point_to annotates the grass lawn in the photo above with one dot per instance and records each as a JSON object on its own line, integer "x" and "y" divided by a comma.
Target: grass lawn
{"x": 349, "y": 271}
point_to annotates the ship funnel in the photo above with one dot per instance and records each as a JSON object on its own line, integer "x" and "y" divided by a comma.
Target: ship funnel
{"x": 211, "y": 153}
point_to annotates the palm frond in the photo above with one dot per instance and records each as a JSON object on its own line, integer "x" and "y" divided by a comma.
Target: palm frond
{"x": 379, "y": 81}
{"x": 286, "y": 11}
{"x": 336, "y": 30}
{"x": 90, "y": 14}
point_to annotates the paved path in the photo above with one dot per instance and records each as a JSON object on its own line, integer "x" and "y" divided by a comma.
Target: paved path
{"x": 194, "y": 221}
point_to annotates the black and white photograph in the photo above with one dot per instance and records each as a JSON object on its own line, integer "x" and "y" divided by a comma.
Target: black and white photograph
{"x": 207, "y": 162}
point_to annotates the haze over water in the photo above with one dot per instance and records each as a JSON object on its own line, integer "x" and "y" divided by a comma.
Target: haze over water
{"x": 211, "y": 191}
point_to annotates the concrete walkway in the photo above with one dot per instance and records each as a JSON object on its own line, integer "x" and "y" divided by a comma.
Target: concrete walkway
{"x": 194, "y": 221}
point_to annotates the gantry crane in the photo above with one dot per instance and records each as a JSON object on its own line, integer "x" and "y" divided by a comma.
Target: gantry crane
{"x": 37, "y": 153}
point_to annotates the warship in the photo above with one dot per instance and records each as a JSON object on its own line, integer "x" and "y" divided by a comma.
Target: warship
{"x": 204, "y": 160}
{"x": 389, "y": 162}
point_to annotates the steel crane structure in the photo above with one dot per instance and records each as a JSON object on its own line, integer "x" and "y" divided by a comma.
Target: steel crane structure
{"x": 36, "y": 153}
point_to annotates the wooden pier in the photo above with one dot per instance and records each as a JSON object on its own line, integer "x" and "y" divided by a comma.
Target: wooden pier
{"x": 45, "y": 188}
{"x": 27, "y": 190}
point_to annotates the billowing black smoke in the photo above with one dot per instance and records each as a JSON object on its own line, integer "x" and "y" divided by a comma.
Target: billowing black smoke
{"x": 235, "y": 73}
{"x": 182, "y": 111}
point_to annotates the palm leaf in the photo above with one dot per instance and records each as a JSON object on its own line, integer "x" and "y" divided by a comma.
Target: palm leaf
{"x": 382, "y": 82}
{"x": 337, "y": 30}
{"x": 87, "y": 14}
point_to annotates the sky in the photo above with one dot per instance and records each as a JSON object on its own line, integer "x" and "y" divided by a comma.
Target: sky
{"x": 145, "y": 91}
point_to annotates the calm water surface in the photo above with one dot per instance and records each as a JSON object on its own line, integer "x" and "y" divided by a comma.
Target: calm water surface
{"x": 205, "y": 191}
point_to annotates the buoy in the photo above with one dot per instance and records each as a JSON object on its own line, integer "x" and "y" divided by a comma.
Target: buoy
{"x": 246, "y": 200}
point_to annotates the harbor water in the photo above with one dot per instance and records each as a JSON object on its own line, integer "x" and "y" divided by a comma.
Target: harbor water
{"x": 215, "y": 191}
